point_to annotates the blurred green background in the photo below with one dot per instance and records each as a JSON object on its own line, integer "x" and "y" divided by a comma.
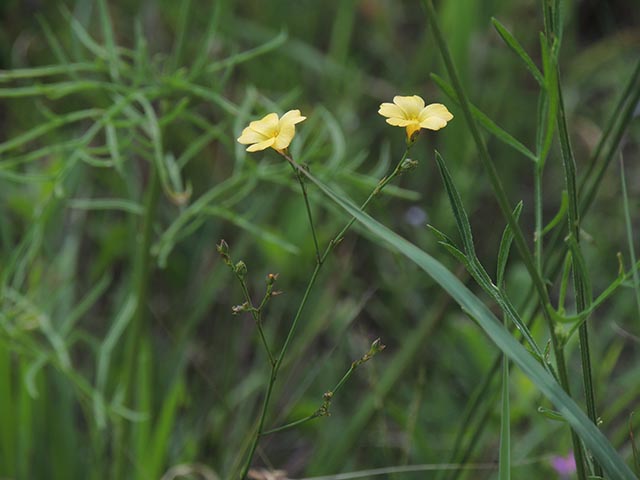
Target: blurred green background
{"x": 73, "y": 205}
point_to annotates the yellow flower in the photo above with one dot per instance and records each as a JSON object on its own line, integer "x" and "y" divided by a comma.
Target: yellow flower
{"x": 410, "y": 112}
{"x": 271, "y": 131}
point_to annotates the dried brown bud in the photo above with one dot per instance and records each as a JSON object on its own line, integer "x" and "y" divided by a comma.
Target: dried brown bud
{"x": 240, "y": 308}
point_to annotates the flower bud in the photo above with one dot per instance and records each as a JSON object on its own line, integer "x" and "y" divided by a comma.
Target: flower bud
{"x": 408, "y": 165}
{"x": 223, "y": 250}
{"x": 240, "y": 269}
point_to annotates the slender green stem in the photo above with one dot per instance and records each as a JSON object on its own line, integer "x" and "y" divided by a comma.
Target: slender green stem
{"x": 287, "y": 426}
{"x": 381, "y": 184}
{"x": 538, "y": 217}
{"x": 627, "y": 221}
{"x": 614, "y": 130}
{"x": 256, "y": 313}
{"x": 553, "y": 263}
{"x": 319, "y": 262}
{"x": 306, "y": 203}
{"x": 505, "y": 208}
{"x": 323, "y": 411}
{"x": 582, "y": 296}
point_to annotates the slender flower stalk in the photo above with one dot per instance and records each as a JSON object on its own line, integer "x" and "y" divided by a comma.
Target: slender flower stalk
{"x": 277, "y": 133}
{"x": 294, "y": 324}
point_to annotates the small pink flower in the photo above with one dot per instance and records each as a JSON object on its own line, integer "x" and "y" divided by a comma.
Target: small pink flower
{"x": 565, "y": 466}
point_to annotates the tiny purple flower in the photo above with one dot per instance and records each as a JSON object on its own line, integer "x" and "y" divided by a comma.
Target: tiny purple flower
{"x": 565, "y": 466}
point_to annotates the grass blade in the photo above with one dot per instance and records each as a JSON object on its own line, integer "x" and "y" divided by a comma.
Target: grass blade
{"x": 488, "y": 124}
{"x": 504, "y": 468}
{"x": 629, "y": 228}
{"x": 515, "y": 46}
{"x": 610, "y": 460}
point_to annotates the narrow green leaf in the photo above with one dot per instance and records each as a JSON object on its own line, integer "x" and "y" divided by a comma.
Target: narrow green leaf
{"x": 164, "y": 428}
{"x": 107, "y": 32}
{"x": 471, "y": 262}
{"x": 54, "y": 90}
{"x": 515, "y": 46}
{"x": 559, "y": 217}
{"x": 629, "y": 228}
{"x": 181, "y": 34}
{"x": 464, "y": 227}
{"x": 106, "y": 204}
{"x": 50, "y": 126}
{"x": 622, "y": 115}
{"x": 84, "y": 305}
{"x": 552, "y": 100}
{"x": 613, "y": 464}
{"x": 118, "y": 326}
{"x": 580, "y": 268}
{"x": 247, "y": 55}
{"x": 442, "y": 237}
{"x": 203, "y": 55}
{"x": 551, "y": 414}
{"x": 505, "y": 247}
{"x": 204, "y": 93}
{"x": 48, "y": 71}
{"x": 488, "y": 124}
{"x": 504, "y": 468}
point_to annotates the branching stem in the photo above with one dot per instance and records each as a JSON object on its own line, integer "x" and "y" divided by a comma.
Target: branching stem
{"x": 320, "y": 259}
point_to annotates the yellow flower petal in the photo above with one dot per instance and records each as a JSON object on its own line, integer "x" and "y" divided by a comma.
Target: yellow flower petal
{"x": 285, "y": 136}
{"x": 251, "y": 136}
{"x": 267, "y": 125}
{"x": 433, "y": 123}
{"x": 391, "y": 110}
{"x": 287, "y": 129}
{"x": 411, "y": 106}
{"x": 401, "y": 122}
{"x": 291, "y": 117}
{"x": 261, "y": 146}
{"x": 435, "y": 110}
{"x": 435, "y": 116}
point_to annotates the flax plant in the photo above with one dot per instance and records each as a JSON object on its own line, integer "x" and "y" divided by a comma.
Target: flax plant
{"x": 277, "y": 133}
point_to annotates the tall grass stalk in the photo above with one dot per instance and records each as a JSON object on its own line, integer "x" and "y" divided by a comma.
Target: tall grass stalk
{"x": 503, "y": 203}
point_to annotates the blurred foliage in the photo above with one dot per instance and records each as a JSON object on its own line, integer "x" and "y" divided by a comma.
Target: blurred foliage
{"x": 75, "y": 172}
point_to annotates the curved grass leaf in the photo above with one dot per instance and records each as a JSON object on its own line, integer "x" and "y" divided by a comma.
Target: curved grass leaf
{"x": 597, "y": 443}
{"x": 514, "y": 45}
{"x": 488, "y": 124}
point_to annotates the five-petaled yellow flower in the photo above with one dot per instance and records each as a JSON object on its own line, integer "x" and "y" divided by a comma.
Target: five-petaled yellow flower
{"x": 410, "y": 112}
{"x": 271, "y": 131}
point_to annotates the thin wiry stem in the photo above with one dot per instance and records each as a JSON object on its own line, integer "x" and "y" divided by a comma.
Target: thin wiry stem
{"x": 320, "y": 259}
{"x": 582, "y": 296}
{"x": 306, "y": 203}
{"x": 256, "y": 313}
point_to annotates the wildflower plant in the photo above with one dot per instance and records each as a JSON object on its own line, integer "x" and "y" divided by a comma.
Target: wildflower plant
{"x": 122, "y": 167}
{"x": 277, "y": 132}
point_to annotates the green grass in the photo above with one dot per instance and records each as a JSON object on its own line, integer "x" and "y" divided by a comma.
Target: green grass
{"x": 120, "y": 174}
